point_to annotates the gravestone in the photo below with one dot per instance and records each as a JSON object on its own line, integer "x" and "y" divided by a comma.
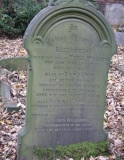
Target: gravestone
{"x": 119, "y": 38}
{"x": 11, "y": 64}
{"x": 115, "y": 14}
{"x": 70, "y": 45}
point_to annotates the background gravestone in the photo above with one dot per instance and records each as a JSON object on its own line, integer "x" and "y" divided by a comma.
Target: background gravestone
{"x": 70, "y": 46}
{"x": 115, "y": 14}
{"x": 11, "y": 64}
{"x": 120, "y": 38}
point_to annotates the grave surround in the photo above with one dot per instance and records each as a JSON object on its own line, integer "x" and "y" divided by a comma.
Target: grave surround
{"x": 70, "y": 45}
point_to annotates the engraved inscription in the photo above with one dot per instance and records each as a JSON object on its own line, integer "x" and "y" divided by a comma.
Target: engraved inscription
{"x": 67, "y": 99}
{"x": 70, "y": 77}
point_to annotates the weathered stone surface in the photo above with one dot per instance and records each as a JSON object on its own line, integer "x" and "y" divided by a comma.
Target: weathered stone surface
{"x": 120, "y": 38}
{"x": 115, "y": 14}
{"x": 6, "y": 98}
{"x": 70, "y": 46}
{"x": 20, "y": 63}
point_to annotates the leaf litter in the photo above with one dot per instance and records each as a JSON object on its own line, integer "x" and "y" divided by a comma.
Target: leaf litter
{"x": 11, "y": 122}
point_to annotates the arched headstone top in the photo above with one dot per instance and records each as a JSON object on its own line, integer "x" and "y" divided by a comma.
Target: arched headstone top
{"x": 52, "y": 16}
{"x": 91, "y": 3}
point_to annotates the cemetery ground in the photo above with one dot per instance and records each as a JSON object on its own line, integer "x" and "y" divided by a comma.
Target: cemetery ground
{"x": 11, "y": 122}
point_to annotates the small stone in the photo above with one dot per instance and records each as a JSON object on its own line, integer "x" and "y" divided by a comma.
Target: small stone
{"x": 3, "y": 132}
{"x": 12, "y": 130}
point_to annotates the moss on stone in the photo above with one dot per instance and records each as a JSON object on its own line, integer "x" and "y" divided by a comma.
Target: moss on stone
{"x": 75, "y": 151}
